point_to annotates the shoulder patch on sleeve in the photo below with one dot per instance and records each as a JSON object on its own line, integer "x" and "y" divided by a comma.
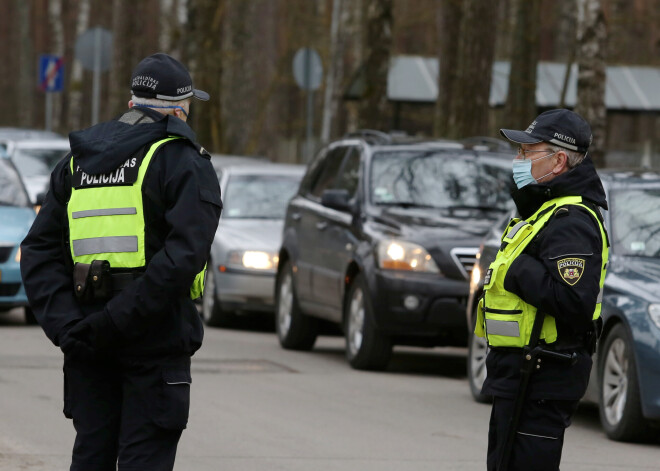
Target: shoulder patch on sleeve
{"x": 571, "y": 269}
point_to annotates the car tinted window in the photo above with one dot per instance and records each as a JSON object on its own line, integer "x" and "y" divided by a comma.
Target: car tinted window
{"x": 258, "y": 196}
{"x": 439, "y": 179}
{"x": 11, "y": 188}
{"x": 635, "y": 216}
{"x": 350, "y": 173}
{"x": 330, "y": 168}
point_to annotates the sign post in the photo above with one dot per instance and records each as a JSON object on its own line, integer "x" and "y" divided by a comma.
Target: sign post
{"x": 308, "y": 72}
{"x": 51, "y": 80}
{"x": 94, "y": 51}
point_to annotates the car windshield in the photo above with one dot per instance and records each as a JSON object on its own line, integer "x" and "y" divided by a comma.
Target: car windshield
{"x": 11, "y": 188}
{"x": 635, "y": 217}
{"x": 258, "y": 196}
{"x": 439, "y": 179}
{"x": 37, "y": 162}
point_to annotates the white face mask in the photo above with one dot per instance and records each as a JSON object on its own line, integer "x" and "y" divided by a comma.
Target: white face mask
{"x": 522, "y": 171}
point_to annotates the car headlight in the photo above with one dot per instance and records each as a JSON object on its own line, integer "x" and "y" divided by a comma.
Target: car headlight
{"x": 654, "y": 314}
{"x": 253, "y": 260}
{"x": 401, "y": 255}
{"x": 18, "y": 255}
{"x": 475, "y": 278}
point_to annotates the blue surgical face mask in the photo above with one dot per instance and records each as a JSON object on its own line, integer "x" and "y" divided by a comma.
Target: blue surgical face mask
{"x": 522, "y": 171}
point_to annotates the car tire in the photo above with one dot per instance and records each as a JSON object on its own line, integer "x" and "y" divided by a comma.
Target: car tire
{"x": 295, "y": 330}
{"x": 29, "y": 316}
{"x": 212, "y": 313}
{"x": 476, "y": 365}
{"x": 366, "y": 347}
{"x": 619, "y": 399}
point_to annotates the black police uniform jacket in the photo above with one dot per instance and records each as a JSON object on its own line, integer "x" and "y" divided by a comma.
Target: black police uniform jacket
{"x": 536, "y": 278}
{"x": 153, "y": 315}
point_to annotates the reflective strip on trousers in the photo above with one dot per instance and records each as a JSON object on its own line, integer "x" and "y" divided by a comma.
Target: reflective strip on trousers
{"x": 103, "y": 212}
{"x": 505, "y": 328}
{"x": 105, "y": 245}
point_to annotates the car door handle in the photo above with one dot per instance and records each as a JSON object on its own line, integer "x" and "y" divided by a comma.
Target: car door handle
{"x": 296, "y": 216}
{"x": 321, "y": 225}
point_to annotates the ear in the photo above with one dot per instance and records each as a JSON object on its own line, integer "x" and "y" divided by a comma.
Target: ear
{"x": 562, "y": 162}
{"x": 130, "y": 103}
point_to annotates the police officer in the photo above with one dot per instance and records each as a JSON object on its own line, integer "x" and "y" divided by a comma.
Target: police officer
{"x": 550, "y": 268}
{"x": 111, "y": 265}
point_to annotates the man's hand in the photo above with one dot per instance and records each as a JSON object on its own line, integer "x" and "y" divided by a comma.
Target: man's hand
{"x": 97, "y": 331}
{"x": 75, "y": 348}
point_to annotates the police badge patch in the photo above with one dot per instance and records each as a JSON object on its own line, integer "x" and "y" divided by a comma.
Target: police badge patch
{"x": 571, "y": 269}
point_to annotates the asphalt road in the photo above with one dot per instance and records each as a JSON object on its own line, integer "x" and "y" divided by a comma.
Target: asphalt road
{"x": 256, "y": 407}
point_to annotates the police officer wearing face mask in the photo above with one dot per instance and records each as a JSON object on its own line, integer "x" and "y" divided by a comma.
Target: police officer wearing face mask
{"x": 540, "y": 310}
{"x": 112, "y": 264}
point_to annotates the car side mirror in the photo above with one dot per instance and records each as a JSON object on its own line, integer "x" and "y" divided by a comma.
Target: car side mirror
{"x": 336, "y": 199}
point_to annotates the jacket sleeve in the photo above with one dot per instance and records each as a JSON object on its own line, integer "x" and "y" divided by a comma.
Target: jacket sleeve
{"x": 45, "y": 268}
{"x": 190, "y": 194}
{"x": 561, "y": 275}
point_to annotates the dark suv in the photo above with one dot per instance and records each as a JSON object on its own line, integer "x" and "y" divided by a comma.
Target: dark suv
{"x": 381, "y": 238}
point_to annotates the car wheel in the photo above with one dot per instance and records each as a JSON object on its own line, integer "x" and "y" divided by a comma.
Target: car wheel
{"x": 476, "y": 365}
{"x": 619, "y": 401}
{"x": 29, "y": 316}
{"x": 366, "y": 347}
{"x": 212, "y": 314}
{"x": 295, "y": 330}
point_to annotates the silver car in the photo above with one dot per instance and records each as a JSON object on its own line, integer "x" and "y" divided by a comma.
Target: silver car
{"x": 241, "y": 272}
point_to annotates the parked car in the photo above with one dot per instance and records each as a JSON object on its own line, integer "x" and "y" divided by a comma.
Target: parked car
{"x": 380, "y": 240}
{"x": 35, "y": 158}
{"x": 625, "y": 380}
{"x": 241, "y": 273}
{"x": 16, "y": 214}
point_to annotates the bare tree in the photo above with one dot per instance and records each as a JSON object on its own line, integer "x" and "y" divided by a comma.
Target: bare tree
{"x": 74, "y": 119}
{"x": 520, "y": 105}
{"x": 373, "y": 110}
{"x": 592, "y": 38}
{"x": 26, "y": 81}
{"x": 57, "y": 48}
{"x": 449, "y": 13}
{"x": 470, "y": 106}
{"x": 334, "y": 73}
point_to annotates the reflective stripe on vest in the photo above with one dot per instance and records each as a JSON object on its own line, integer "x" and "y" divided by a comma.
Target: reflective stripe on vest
{"x": 107, "y": 222}
{"x": 504, "y": 318}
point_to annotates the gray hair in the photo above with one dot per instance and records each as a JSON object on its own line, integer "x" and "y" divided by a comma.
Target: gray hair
{"x": 157, "y": 102}
{"x": 574, "y": 158}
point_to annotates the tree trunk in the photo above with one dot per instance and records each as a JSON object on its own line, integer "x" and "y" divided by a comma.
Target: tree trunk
{"x": 520, "y": 107}
{"x": 26, "y": 74}
{"x": 373, "y": 112}
{"x": 57, "y": 48}
{"x": 333, "y": 75}
{"x": 592, "y": 37}
{"x": 205, "y": 23}
{"x": 449, "y": 15}
{"x": 74, "y": 119}
{"x": 470, "y": 106}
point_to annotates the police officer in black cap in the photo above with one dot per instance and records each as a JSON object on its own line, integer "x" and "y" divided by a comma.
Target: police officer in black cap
{"x": 111, "y": 266}
{"x": 541, "y": 304}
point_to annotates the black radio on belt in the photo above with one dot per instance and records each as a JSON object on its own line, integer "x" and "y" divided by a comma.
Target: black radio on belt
{"x": 92, "y": 281}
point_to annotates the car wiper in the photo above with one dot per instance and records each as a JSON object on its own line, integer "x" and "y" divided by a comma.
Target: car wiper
{"x": 406, "y": 204}
{"x": 482, "y": 208}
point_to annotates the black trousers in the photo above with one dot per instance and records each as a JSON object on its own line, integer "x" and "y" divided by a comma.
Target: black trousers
{"x": 128, "y": 414}
{"x": 540, "y": 436}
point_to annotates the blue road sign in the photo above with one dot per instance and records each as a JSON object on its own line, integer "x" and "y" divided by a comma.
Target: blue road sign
{"x": 51, "y": 73}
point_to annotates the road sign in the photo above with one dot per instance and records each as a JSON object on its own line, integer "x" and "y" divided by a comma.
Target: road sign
{"x": 94, "y": 49}
{"x": 51, "y": 73}
{"x": 307, "y": 69}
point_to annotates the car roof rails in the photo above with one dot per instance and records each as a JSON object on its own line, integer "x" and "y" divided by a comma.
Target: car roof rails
{"x": 371, "y": 136}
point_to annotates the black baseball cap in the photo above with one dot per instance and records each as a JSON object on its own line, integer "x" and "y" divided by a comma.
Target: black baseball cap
{"x": 162, "y": 76}
{"x": 561, "y": 127}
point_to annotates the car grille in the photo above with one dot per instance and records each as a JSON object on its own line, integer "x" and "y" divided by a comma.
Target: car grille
{"x": 5, "y": 251}
{"x": 9, "y": 289}
{"x": 465, "y": 258}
